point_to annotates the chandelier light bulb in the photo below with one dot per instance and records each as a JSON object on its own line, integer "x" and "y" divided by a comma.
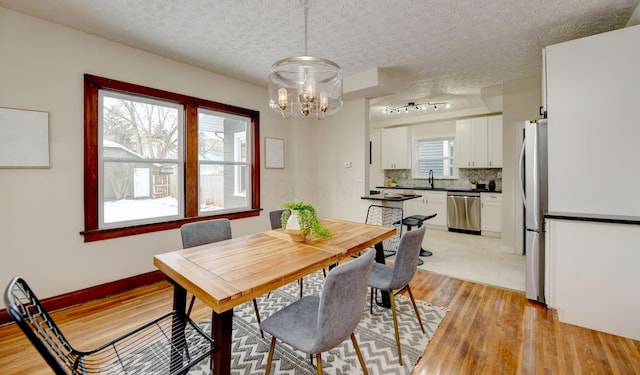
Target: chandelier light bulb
{"x": 324, "y": 101}
{"x": 310, "y": 90}
{"x": 282, "y": 98}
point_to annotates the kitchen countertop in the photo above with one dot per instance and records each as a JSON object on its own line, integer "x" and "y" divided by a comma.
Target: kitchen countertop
{"x": 439, "y": 189}
{"x": 382, "y": 197}
{"x": 603, "y": 218}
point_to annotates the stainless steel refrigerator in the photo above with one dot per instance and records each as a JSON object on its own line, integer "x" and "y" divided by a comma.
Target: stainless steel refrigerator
{"x": 534, "y": 187}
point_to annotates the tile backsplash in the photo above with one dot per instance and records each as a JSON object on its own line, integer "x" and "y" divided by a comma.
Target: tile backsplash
{"x": 403, "y": 178}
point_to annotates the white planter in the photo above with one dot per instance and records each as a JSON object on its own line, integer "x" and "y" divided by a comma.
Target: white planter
{"x": 293, "y": 227}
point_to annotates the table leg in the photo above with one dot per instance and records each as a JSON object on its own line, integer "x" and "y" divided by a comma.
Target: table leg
{"x": 386, "y": 300}
{"x": 221, "y": 327}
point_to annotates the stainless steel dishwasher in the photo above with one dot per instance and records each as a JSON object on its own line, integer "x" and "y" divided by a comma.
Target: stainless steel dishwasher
{"x": 463, "y": 212}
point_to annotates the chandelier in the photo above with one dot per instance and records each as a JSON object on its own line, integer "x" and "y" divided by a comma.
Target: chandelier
{"x": 305, "y": 85}
{"x": 411, "y": 106}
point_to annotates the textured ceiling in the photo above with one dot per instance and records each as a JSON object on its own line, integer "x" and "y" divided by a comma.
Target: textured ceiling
{"x": 433, "y": 50}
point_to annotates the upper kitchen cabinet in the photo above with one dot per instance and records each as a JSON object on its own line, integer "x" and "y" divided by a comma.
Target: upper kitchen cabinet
{"x": 396, "y": 153}
{"x": 479, "y": 142}
{"x": 494, "y": 141}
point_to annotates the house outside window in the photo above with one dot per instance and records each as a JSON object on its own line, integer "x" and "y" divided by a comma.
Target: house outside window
{"x": 433, "y": 155}
{"x": 164, "y": 159}
{"x": 140, "y": 160}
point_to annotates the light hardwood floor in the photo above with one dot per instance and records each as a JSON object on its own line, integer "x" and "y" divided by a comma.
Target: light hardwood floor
{"x": 488, "y": 330}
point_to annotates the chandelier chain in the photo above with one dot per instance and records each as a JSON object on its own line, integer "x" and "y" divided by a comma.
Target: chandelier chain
{"x": 306, "y": 14}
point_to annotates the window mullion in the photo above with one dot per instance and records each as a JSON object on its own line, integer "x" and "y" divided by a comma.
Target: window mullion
{"x": 191, "y": 167}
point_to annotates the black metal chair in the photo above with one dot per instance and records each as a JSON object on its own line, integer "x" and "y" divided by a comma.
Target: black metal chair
{"x": 170, "y": 344}
{"x": 388, "y": 216}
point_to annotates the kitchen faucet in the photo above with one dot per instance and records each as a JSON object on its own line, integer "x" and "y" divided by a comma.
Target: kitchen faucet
{"x": 431, "y": 178}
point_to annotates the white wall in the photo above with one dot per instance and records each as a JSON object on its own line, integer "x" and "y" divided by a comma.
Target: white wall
{"x": 343, "y": 138}
{"x": 41, "y": 210}
{"x": 593, "y": 94}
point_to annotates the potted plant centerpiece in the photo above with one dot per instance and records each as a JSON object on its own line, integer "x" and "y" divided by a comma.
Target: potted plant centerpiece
{"x": 301, "y": 223}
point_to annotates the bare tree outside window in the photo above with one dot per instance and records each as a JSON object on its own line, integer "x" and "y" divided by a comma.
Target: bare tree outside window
{"x": 141, "y": 155}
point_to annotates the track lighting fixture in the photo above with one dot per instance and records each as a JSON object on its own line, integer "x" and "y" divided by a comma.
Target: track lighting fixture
{"x": 411, "y": 106}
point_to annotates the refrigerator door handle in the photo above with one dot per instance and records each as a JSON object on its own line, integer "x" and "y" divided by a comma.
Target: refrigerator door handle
{"x": 521, "y": 174}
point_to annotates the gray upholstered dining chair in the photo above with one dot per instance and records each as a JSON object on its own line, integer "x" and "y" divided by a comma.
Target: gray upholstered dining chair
{"x": 315, "y": 324}
{"x": 275, "y": 217}
{"x": 395, "y": 279}
{"x": 204, "y": 232}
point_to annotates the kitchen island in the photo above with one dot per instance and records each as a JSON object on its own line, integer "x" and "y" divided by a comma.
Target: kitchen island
{"x": 391, "y": 199}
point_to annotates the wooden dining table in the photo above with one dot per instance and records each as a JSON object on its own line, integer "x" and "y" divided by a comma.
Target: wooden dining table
{"x": 228, "y": 273}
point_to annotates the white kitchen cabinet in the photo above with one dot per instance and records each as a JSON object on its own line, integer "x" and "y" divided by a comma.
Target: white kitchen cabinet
{"x": 479, "y": 142}
{"x": 491, "y": 214}
{"x": 396, "y": 153}
{"x": 464, "y": 144}
{"x": 494, "y": 141}
{"x": 432, "y": 202}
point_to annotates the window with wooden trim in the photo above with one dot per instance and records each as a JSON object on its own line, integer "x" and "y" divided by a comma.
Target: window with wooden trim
{"x": 155, "y": 159}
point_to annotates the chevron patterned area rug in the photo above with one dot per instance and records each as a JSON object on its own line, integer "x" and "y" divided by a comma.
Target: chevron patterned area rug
{"x": 374, "y": 333}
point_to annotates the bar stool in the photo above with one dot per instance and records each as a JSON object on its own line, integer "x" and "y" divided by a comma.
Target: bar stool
{"x": 416, "y": 221}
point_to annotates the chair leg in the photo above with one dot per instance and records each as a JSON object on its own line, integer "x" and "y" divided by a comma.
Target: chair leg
{"x": 270, "y": 357}
{"x": 415, "y": 307}
{"x": 360, "y": 358}
{"x": 255, "y": 307}
{"x": 301, "y": 285}
{"x": 319, "y": 363}
{"x": 371, "y": 302}
{"x": 395, "y": 325}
